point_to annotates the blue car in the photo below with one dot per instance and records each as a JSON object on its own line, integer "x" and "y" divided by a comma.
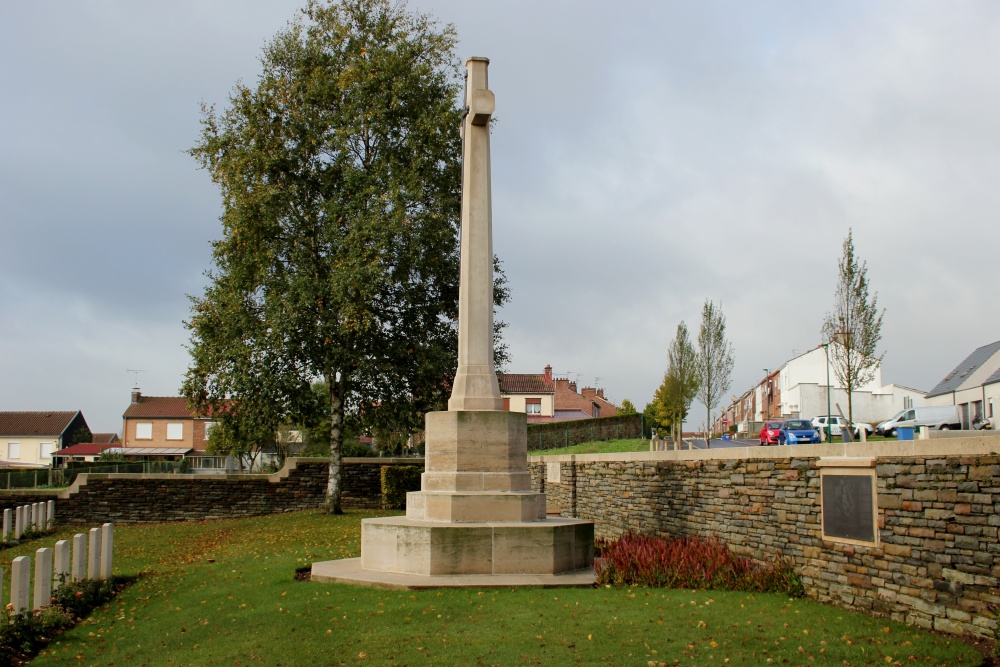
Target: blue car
{"x": 797, "y": 431}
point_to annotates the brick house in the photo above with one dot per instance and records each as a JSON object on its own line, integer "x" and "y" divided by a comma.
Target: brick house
{"x": 164, "y": 428}
{"x": 29, "y": 439}
{"x": 545, "y": 398}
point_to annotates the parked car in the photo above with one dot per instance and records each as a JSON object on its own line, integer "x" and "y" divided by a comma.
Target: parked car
{"x": 797, "y": 431}
{"x": 769, "y": 433}
{"x": 938, "y": 417}
{"x": 837, "y": 424}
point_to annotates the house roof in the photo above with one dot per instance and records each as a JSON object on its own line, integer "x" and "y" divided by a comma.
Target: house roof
{"x": 148, "y": 451}
{"x": 35, "y": 423}
{"x": 953, "y": 380}
{"x": 993, "y": 378}
{"x": 84, "y": 449}
{"x": 103, "y": 438}
{"x": 525, "y": 383}
{"x": 159, "y": 406}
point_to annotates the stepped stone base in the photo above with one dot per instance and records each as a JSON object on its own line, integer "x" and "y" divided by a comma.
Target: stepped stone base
{"x": 550, "y": 546}
{"x": 349, "y": 571}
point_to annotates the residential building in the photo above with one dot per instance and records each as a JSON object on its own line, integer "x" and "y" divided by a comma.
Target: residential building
{"x": 87, "y": 451}
{"x": 546, "y": 398}
{"x": 799, "y": 389}
{"x": 164, "y": 428}
{"x": 974, "y": 385}
{"x": 29, "y": 439}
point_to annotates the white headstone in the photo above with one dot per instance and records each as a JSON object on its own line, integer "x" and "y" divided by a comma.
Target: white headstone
{"x": 107, "y": 549}
{"x": 61, "y": 568}
{"x": 8, "y": 517}
{"x": 79, "y": 565}
{"x": 20, "y": 583}
{"x": 43, "y": 578}
{"x": 43, "y": 522}
{"x": 52, "y": 512}
{"x": 94, "y": 554}
{"x": 18, "y": 522}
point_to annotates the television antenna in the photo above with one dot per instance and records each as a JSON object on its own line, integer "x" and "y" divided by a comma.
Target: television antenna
{"x": 135, "y": 375}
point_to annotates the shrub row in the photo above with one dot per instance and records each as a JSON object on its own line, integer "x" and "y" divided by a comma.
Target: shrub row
{"x": 396, "y": 481}
{"x": 690, "y": 562}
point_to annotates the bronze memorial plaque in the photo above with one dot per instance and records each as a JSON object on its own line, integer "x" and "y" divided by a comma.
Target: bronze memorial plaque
{"x": 847, "y": 507}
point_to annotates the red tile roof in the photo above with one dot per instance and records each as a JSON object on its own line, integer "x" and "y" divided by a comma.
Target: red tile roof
{"x": 521, "y": 383}
{"x": 104, "y": 438}
{"x": 35, "y": 423}
{"x": 159, "y": 406}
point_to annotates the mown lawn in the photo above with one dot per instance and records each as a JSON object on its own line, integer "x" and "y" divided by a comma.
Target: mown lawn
{"x": 225, "y": 593}
{"x": 606, "y": 447}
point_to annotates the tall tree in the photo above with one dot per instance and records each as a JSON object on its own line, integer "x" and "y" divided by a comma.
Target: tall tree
{"x": 715, "y": 360}
{"x": 340, "y": 177}
{"x": 682, "y": 380}
{"x": 855, "y": 326}
{"x": 626, "y": 408}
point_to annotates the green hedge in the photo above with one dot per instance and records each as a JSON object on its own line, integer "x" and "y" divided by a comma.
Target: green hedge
{"x": 567, "y": 434}
{"x": 396, "y": 481}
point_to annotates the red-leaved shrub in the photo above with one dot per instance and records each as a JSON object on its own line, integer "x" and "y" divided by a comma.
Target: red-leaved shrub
{"x": 689, "y": 562}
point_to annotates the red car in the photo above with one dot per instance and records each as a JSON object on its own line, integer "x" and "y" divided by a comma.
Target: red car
{"x": 769, "y": 434}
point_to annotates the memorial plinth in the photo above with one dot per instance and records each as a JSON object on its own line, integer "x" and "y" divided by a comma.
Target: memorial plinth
{"x": 475, "y": 520}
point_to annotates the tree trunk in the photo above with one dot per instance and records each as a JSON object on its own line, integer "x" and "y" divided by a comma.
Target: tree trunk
{"x": 333, "y": 486}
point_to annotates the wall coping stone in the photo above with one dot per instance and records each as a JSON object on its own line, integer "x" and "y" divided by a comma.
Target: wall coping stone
{"x": 988, "y": 445}
{"x": 846, "y": 462}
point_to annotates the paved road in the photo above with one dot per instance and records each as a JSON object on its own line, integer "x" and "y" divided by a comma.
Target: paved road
{"x": 722, "y": 444}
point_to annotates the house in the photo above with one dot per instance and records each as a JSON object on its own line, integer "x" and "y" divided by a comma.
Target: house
{"x": 974, "y": 385}
{"x": 545, "y": 398}
{"x": 29, "y": 439}
{"x": 85, "y": 451}
{"x": 104, "y": 438}
{"x": 799, "y": 389}
{"x": 164, "y": 428}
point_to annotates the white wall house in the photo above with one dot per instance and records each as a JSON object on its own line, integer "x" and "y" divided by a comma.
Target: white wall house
{"x": 974, "y": 385}
{"x": 803, "y": 383}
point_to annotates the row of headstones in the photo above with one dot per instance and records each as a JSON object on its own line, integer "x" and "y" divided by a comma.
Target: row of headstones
{"x": 36, "y": 517}
{"x": 92, "y": 563}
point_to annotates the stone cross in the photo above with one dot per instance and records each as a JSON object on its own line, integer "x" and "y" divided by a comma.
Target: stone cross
{"x": 476, "y": 386}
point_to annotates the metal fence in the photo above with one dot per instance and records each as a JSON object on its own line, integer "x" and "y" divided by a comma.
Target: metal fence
{"x": 42, "y": 478}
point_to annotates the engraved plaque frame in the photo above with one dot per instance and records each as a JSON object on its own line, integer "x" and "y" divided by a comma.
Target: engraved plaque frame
{"x": 849, "y": 501}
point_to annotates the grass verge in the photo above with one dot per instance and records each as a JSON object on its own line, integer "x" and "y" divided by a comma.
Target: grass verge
{"x": 606, "y": 447}
{"x": 224, "y": 593}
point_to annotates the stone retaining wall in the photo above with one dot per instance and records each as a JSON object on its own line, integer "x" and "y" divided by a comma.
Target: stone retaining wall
{"x": 137, "y": 498}
{"x": 936, "y": 562}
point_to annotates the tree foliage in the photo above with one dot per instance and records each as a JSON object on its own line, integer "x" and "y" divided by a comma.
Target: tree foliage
{"x": 715, "y": 360}
{"x": 855, "y": 325}
{"x": 672, "y": 400}
{"x": 626, "y": 408}
{"x": 340, "y": 177}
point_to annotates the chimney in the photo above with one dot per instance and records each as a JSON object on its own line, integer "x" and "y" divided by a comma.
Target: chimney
{"x": 600, "y": 392}
{"x": 572, "y": 386}
{"x": 588, "y": 392}
{"x": 136, "y": 395}
{"x": 548, "y": 372}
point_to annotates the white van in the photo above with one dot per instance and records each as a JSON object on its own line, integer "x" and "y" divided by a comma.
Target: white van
{"x": 939, "y": 417}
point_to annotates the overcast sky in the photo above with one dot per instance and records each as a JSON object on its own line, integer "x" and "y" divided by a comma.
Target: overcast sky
{"x": 647, "y": 156}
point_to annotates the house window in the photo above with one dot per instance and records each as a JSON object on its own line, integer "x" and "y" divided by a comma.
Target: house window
{"x": 45, "y": 450}
{"x": 209, "y": 426}
{"x": 533, "y": 406}
{"x": 144, "y": 431}
{"x": 597, "y": 410}
{"x": 175, "y": 431}
{"x": 13, "y": 450}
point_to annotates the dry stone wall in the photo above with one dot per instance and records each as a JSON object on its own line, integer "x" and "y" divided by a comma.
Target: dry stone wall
{"x": 128, "y": 498}
{"x": 936, "y": 563}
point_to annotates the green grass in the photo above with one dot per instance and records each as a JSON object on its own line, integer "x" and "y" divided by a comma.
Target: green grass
{"x": 607, "y": 447}
{"x": 224, "y": 593}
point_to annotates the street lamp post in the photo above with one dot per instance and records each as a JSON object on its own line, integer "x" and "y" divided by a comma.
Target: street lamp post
{"x": 826, "y": 348}
{"x": 767, "y": 411}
